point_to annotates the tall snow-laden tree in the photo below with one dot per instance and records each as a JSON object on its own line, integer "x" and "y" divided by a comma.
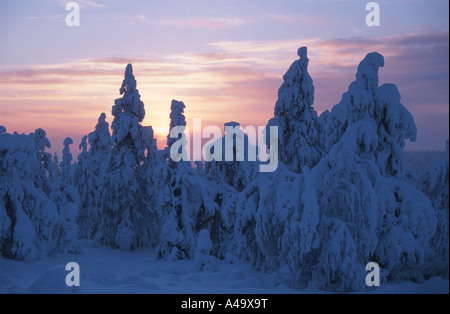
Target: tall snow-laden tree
{"x": 177, "y": 120}
{"x": 85, "y": 181}
{"x": 27, "y": 215}
{"x": 100, "y": 141}
{"x": 125, "y": 213}
{"x": 191, "y": 207}
{"x": 89, "y": 176}
{"x": 364, "y": 171}
{"x": 153, "y": 170}
{"x": 47, "y": 170}
{"x": 67, "y": 199}
{"x": 297, "y": 121}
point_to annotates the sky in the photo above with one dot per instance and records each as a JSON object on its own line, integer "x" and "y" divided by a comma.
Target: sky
{"x": 224, "y": 59}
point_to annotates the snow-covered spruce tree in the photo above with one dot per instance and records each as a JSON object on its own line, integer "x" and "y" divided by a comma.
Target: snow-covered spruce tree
{"x": 89, "y": 176}
{"x": 177, "y": 119}
{"x": 85, "y": 182}
{"x": 266, "y": 219}
{"x": 192, "y": 207}
{"x": 364, "y": 171}
{"x": 299, "y": 126}
{"x": 125, "y": 214}
{"x": 153, "y": 169}
{"x": 48, "y": 171}
{"x": 67, "y": 200}
{"x": 235, "y": 171}
{"x": 435, "y": 184}
{"x": 272, "y": 221}
{"x": 100, "y": 148}
{"x": 27, "y": 215}
{"x": 100, "y": 143}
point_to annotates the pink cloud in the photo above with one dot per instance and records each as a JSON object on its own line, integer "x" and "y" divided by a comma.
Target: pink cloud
{"x": 210, "y": 23}
{"x": 232, "y": 81}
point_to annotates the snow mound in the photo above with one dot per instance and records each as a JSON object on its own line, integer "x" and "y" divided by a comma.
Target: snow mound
{"x": 53, "y": 282}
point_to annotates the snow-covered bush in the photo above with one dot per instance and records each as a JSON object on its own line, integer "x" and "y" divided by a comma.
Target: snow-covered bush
{"x": 203, "y": 260}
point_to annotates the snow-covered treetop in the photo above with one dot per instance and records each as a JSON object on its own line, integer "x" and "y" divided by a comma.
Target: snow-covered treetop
{"x": 83, "y": 144}
{"x": 129, "y": 82}
{"x": 128, "y": 111}
{"x": 302, "y": 53}
{"x": 176, "y": 118}
{"x": 100, "y": 139}
{"x": 297, "y": 90}
{"x": 232, "y": 124}
{"x": 177, "y": 114}
{"x": 131, "y": 101}
{"x": 367, "y": 74}
{"x": 17, "y": 151}
{"x": 2, "y": 129}
{"x": 67, "y": 156}
{"x": 40, "y": 140}
{"x": 68, "y": 141}
{"x": 66, "y": 163}
{"x": 298, "y": 123}
{"x": 366, "y": 104}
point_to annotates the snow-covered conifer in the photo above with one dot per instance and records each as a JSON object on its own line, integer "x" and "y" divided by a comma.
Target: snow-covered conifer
{"x": 67, "y": 200}
{"x": 48, "y": 172}
{"x": 85, "y": 181}
{"x": 297, "y": 121}
{"x": 125, "y": 214}
{"x": 191, "y": 208}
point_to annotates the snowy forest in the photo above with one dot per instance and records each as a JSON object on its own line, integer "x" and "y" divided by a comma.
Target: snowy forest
{"x": 342, "y": 195}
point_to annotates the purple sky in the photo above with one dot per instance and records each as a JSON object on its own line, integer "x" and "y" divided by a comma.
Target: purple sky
{"x": 224, "y": 59}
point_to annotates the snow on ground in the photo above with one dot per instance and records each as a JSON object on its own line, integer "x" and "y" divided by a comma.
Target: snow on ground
{"x": 104, "y": 270}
